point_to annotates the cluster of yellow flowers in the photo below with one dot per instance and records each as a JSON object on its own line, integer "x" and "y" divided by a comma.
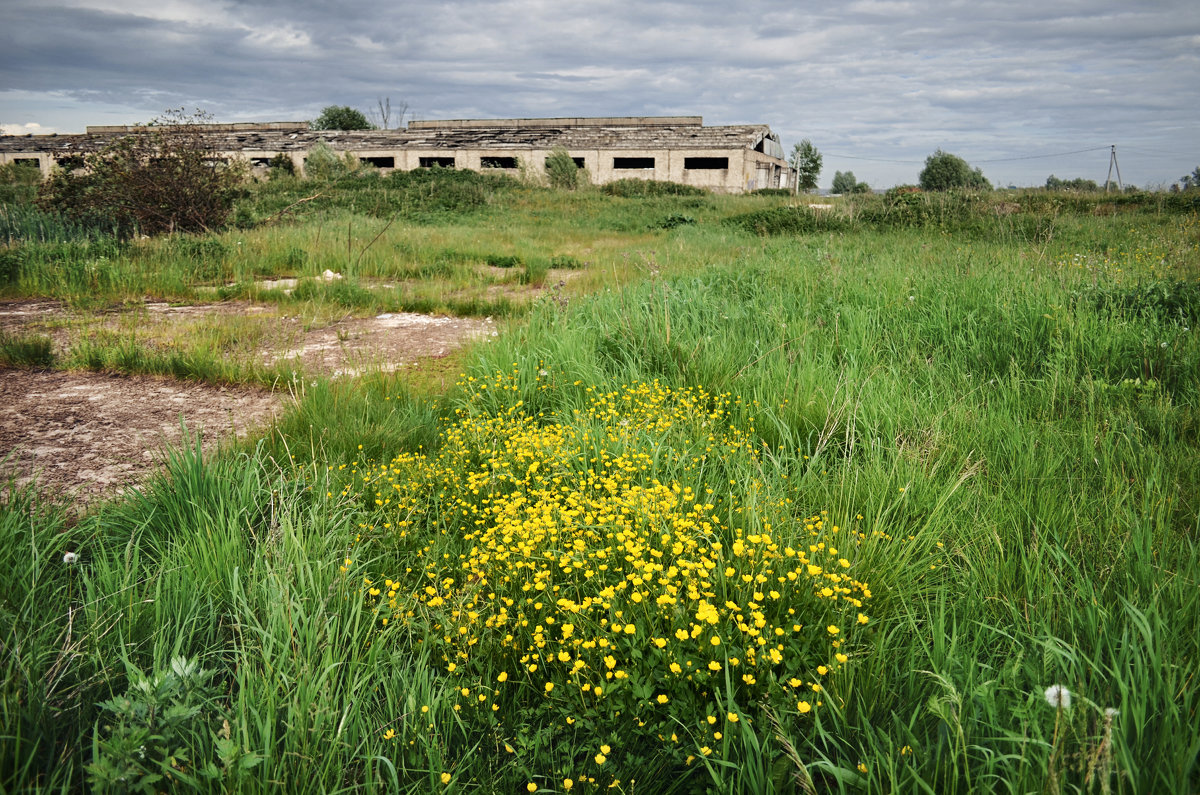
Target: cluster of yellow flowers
{"x": 610, "y": 556}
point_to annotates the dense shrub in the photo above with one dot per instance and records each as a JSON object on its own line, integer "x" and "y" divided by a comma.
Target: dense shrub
{"x": 165, "y": 177}
{"x": 281, "y": 165}
{"x": 561, "y": 170}
{"x": 323, "y": 163}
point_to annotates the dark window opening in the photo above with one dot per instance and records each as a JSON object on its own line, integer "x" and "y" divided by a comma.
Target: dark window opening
{"x": 70, "y": 162}
{"x": 260, "y": 162}
{"x": 633, "y": 162}
{"x": 379, "y": 162}
{"x": 438, "y": 162}
{"x": 760, "y": 146}
{"x": 706, "y": 163}
{"x": 26, "y": 162}
{"x": 498, "y": 162}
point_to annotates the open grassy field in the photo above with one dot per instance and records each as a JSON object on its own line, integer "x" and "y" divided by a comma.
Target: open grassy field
{"x": 900, "y": 496}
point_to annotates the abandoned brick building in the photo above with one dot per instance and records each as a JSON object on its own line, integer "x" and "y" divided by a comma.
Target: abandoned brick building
{"x": 724, "y": 159}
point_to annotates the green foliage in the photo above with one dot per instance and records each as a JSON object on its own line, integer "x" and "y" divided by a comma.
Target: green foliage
{"x": 566, "y": 262}
{"x": 281, "y": 165}
{"x": 27, "y": 223}
{"x": 1191, "y": 181}
{"x": 561, "y": 171}
{"x": 1079, "y": 184}
{"x": 846, "y": 183}
{"x": 806, "y": 161}
{"x": 674, "y": 220}
{"x": 325, "y": 164}
{"x": 163, "y": 178}
{"x": 341, "y": 117}
{"x": 1166, "y": 300}
{"x": 502, "y": 260}
{"x": 646, "y": 188}
{"x": 20, "y": 173}
{"x": 788, "y": 221}
{"x": 164, "y": 732}
{"x": 944, "y": 171}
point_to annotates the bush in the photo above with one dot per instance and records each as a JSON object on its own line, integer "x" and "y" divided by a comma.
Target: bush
{"x": 323, "y": 163}
{"x": 633, "y": 188}
{"x": 165, "y": 177}
{"x": 281, "y": 165}
{"x": 944, "y": 171}
{"x": 561, "y": 170}
{"x": 20, "y": 173}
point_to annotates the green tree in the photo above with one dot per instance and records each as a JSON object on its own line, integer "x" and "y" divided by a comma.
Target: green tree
{"x": 845, "y": 182}
{"x": 1077, "y": 184}
{"x": 806, "y": 161}
{"x": 163, "y": 177}
{"x": 1191, "y": 181}
{"x": 944, "y": 171}
{"x": 341, "y": 117}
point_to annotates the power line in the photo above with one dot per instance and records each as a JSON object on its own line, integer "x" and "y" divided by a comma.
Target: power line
{"x": 1036, "y": 157}
{"x": 992, "y": 160}
{"x": 875, "y": 159}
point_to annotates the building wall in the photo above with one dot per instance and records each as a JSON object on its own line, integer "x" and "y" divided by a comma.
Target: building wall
{"x": 722, "y": 170}
{"x": 45, "y": 162}
{"x": 739, "y": 175}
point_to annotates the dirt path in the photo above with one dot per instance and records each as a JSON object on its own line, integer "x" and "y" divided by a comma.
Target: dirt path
{"x": 86, "y": 436}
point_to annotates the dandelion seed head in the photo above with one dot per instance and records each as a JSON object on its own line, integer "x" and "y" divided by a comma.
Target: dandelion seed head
{"x": 70, "y": 558}
{"x": 1058, "y": 696}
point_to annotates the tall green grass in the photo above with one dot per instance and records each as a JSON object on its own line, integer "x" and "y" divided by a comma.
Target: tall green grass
{"x": 1004, "y": 427}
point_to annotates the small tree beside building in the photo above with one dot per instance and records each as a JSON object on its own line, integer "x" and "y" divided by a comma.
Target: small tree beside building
{"x": 164, "y": 177}
{"x": 562, "y": 171}
{"x": 806, "y": 161}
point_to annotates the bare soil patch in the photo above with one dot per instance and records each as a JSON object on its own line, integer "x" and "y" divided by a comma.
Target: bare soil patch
{"x": 87, "y": 436}
{"x": 384, "y": 343}
{"x": 91, "y": 435}
{"x": 345, "y": 346}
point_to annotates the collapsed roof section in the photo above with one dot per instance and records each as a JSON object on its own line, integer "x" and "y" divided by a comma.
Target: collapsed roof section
{"x": 633, "y": 132}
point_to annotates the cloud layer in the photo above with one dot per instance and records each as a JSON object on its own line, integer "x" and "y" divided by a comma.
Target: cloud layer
{"x": 876, "y": 84}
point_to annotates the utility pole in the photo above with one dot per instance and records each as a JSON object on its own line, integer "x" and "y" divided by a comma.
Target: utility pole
{"x": 1112, "y": 163}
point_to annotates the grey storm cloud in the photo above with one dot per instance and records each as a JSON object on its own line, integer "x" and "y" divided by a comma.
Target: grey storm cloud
{"x": 876, "y": 84}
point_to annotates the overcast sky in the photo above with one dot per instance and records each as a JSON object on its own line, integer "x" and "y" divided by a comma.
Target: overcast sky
{"x": 1017, "y": 87}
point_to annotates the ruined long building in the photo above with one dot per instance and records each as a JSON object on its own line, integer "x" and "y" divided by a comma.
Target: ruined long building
{"x": 724, "y": 159}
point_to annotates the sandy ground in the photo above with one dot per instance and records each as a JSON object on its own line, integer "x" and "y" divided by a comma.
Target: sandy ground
{"x": 84, "y": 436}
